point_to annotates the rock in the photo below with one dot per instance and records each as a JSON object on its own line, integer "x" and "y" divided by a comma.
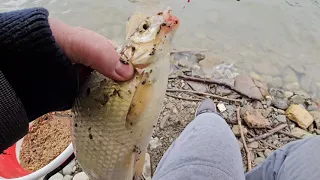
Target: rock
{"x": 300, "y": 132}
{"x": 221, "y": 107}
{"x": 280, "y": 103}
{"x": 276, "y": 82}
{"x": 267, "y": 152}
{"x": 169, "y": 105}
{"x": 57, "y": 176}
{"x": 197, "y": 86}
{"x": 252, "y": 88}
{"x": 316, "y": 117}
{"x": 305, "y": 82}
{"x": 280, "y": 111}
{"x": 146, "y": 172}
{"x": 265, "y": 67}
{"x": 154, "y": 143}
{"x": 288, "y": 94}
{"x": 74, "y": 169}
{"x": 303, "y": 94}
{"x": 240, "y": 144}
{"x": 299, "y": 115}
{"x": 292, "y": 86}
{"x": 68, "y": 169}
{"x": 259, "y": 160}
{"x": 255, "y": 119}
{"x": 253, "y": 145}
{"x": 236, "y": 130}
{"x": 278, "y": 93}
{"x": 281, "y": 118}
{"x": 313, "y": 107}
{"x": 67, "y": 177}
{"x": 257, "y": 105}
{"x": 80, "y": 176}
{"x": 222, "y": 91}
{"x": 297, "y": 99}
{"x": 260, "y": 154}
{"x": 289, "y": 76}
{"x": 164, "y": 120}
{"x": 311, "y": 128}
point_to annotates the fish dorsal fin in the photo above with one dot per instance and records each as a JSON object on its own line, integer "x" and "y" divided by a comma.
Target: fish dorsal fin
{"x": 133, "y": 22}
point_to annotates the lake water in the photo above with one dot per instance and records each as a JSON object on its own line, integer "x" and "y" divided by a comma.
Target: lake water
{"x": 276, "y": 40}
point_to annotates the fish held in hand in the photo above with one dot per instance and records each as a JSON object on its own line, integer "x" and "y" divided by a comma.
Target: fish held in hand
{"x": 114, "y": 120}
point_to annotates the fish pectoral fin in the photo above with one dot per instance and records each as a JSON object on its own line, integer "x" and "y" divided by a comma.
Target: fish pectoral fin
{"x": 139, "y": 167}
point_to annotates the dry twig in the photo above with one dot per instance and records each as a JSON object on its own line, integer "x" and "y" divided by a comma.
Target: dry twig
{"x": 244, "y": 141}
{"x": 287, "y": 134}
{"x": 272, "y": 131}
{"x": 184, "y": 98}
{"x": 264, "y": 142}
{"x": 201, "y": 93}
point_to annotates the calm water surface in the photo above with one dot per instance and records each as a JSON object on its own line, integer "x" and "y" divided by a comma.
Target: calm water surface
{"x": 276, "y": 39}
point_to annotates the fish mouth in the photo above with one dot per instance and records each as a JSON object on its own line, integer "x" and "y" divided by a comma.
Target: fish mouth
{"x": 170, "y": 22}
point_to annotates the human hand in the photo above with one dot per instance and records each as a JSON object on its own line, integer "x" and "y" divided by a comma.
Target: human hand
{"x": 86, "y": 47}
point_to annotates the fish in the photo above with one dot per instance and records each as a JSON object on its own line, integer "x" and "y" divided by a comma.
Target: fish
{"x": 113, "y": 120}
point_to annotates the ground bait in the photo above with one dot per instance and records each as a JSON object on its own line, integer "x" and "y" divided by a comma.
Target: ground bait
{"x": 49, "y": 136}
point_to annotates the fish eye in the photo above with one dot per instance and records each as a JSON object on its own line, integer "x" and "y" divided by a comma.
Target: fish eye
{"x": 145, "y": 26}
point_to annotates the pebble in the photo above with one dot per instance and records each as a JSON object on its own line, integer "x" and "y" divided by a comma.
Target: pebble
{"x": 253, "y": 145}
{"x": 223, "y": 91}
{"x": 267, "y": 152}
{"x": 67, "y": 177}
{"x": 236, "y": 130}
{"x": 281, "y": 118}
{"x": 278, "y": 93}
{"x": 297, "y": 99}
{"x": 303, "y": 94}
{"x": 259, "y": 160}
{"x": 260, "y": 154}
{"x": 280, "y": 111}
{"x": 257, "y": 105}
{"x": 221, "y": 107}
{"x": 313, "y": 107}
{"x": 299, "y": 115}
{"x": 68, "y": 169}
{"x": 299, "y": 132}
{"x": 280, "y": 103}
{"x": 57, "y": 176}
{"x": 155, "y": 143}
{"x": 255, "y": 119}
{"x": 81, "y": 176}
{"x": 288, "y": 94}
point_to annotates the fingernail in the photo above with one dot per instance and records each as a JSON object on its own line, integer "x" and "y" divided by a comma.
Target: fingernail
{"x": 124, "y": 70}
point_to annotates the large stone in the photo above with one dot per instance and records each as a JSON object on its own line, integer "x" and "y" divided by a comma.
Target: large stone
{"x": 280, "y": 103}
{"x": 277, "y": 93}
{"x": 299, "y": 115}
{"x": 265, "y": 67}
{"x": 236, "y": 130}
{"x": 255, "y": 119}
{"x": 252, "y": 88}
{"x": 197, "y": 86}
{"x": 316, "y": 117}
{"x": 300, "y": 132}
{"x": 81, "y": 176}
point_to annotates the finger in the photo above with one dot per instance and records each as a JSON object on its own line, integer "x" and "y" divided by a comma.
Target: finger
{"x": 90, "y": 49}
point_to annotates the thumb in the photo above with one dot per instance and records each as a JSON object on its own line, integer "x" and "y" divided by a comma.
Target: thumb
{"x": 90, "y": 49}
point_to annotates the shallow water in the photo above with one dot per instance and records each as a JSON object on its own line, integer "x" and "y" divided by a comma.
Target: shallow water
{"x": 278, "y": 40}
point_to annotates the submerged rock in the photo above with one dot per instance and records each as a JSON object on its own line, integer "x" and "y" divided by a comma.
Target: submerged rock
{"x": 252, "y": 88}
{"x": 280, "y": 103}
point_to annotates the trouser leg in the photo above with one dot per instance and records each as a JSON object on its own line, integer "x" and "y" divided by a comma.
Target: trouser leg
{"x": 298, "y": 160}
{"x": 205, "y": 150}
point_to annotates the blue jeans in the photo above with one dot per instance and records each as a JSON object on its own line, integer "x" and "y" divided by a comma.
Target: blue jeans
{"x": 208, "y": 150}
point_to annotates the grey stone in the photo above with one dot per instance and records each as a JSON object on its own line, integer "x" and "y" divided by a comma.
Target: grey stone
{"x": 67, "y": 177}
{"x": 303, "y": 94}
{"x": 259, "y": 160}
{"x": 257, "y": 105}
{"x": 281, "y": 118}
{"x": 305, "y": 82}
{"x": 223, "y": 91}
{"x": 267, "y": 152}
{"x": 253, "y": 145}
{"x": 260, "y": 154}
{"x": 155, "y": 143}
{"x": 287, "y": 94}
{"x": 313, "y": 107}
{"x": 57, "y": 176}
{"x": 252, "y": 88}
{"x": 278, "y": 93}
{"x": 81, "y": 176}
{"x": 297, "y": 99}
{"x": 68, "y": 169}
{"x": 280, "y": 103}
